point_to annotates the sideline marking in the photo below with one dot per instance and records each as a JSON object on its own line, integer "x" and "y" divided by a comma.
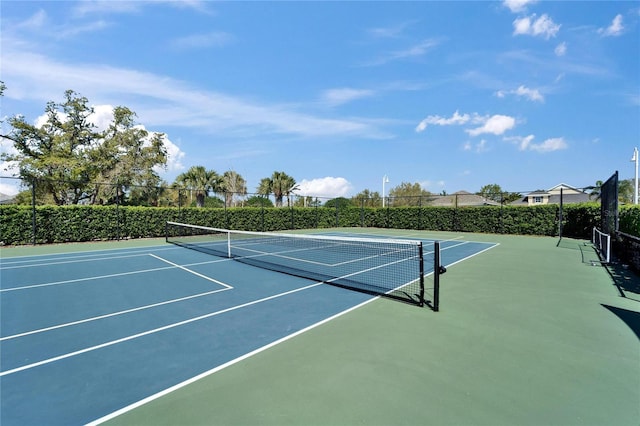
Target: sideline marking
{"x": 222, "y": 366}
{"x": 126, "y": 311}
{"x": 152, "y": 331}
{"x": 120, "y": 274}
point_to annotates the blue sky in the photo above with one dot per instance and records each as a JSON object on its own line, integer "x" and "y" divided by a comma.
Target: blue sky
{"x": 452, "y": 95}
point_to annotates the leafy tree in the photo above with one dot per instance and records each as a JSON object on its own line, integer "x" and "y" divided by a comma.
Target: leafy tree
{"x": 596, "y": 190}
{"x": 509, "y": 197}
{"x": 126, "y": 158}
{"x": 257, "y": 201}
{"x": 339, "y": 202}
{"x": 280, "y": 185}
{"x": 495, "y": 192}
{"x": 408, "y": 194}
{"x": 306, "y": 201}
{"x": 625, "y": 190}
{"x": 199, "y": 181}
{"x": 367, "y": 198}
{"x": 67, "y": 156}
{"x": 233, "y": 185}
{"x": 491, "y": 192}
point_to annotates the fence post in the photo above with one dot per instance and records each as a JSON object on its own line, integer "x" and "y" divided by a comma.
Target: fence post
{"x": 33, "y": 210}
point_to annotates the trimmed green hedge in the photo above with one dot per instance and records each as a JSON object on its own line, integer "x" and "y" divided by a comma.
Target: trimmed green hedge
{"x": 91, "y": 223}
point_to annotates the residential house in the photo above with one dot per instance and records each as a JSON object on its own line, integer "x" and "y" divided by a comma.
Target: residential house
{"x": 461, "y": 199}
{"x": 569, "y": 194}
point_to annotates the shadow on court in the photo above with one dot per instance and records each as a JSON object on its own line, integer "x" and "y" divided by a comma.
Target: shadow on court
{"x": 626, "y": 280}
{"x": 632, "y": 319}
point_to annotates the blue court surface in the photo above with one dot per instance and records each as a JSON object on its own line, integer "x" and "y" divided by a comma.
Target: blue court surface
{"x": 86, "y": 334}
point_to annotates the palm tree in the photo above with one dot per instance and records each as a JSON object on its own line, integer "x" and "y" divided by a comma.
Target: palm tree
{"x": 596, "y": 190}
{"x": 280, "y": 185}
{"x": 233, "y": 184}
{"x": 200, "y": 181}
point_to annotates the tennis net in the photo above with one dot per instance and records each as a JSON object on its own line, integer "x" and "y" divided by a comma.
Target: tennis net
{"x": 602, "y": 243}
{"x": 389, "y": 267}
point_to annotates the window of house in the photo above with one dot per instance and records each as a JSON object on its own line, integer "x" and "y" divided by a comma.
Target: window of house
{"x": 537, "y": 200}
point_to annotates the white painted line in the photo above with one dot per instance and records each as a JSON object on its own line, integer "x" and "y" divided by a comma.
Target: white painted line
{"x": 76, "y": 280}
{"x": 148, "y": 332}
{"x": 221, "y": 367}
{"x": 77, "y": 260}
{"x": 190, "y": 271}
{"x": 97, "y": 252}
{"x": 126, "y": 311}
{"x": 474, "y": 254}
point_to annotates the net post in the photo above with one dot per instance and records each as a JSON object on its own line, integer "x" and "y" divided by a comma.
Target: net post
{"x": 436, "y": 276}
{"x": 229, "y": 245}
{"x": 421, "y": 255}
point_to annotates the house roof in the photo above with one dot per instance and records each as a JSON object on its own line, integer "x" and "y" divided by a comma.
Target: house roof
{"x": 463, "y": 198}
{"x": 560, "y": 186}
{"x": 572, "y": 195}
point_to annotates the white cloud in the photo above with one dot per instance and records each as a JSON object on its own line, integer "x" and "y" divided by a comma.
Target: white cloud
{"x": 174, "y": 156}
{"x": 199, "y": 41}
{"x": 615, "y": 29}
{"x": 549, "y": 145}
{"x": 522, "y": 91}
{"x": 531, "y": 94}
{"x": 455, "y": 119}
{"x": 325, "y": 187}
{"x": 518, "y": 5}
{"x": 389, "y": 32}
{"x": 561, "y": 49}
{"x": 417, "y": 50}
{"x": 496, "y": 125}
{"x": 335, "y": 97}
{"x": 529, "y": 25}
{"x": 432, "y": 186}
{"x": 163, "y": 101}
{"x": 478, "y": 147}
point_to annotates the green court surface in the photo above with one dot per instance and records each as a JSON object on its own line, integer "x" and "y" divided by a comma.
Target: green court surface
{"x": 531, "y": 332}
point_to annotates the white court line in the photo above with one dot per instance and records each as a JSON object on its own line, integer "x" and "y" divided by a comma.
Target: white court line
{"x": 221, "y": 367}
{"x": 76, "y": 260}
{"x": 470, "y": 256}
{"x": 190, "y": 271}
{"x": 126, "y": 311}
{"x": 148, "y": 332}
{"x": 99, "y": 277}
{"x": 79, "y": 254}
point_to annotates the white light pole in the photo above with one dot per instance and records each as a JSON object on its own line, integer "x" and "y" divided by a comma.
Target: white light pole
{"x": 635, "y": 188}
{"x": 385, "y": 179}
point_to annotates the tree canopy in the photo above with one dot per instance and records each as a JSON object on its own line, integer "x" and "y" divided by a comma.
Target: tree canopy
{"x": 71, "y": 159}
{"x": 494, "y": 192}
{"x": 408, "y": 194}
{"x": 279, "y": 184}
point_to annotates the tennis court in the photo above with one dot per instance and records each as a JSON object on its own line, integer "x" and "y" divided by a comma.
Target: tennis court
{"x": 90, "y": 331}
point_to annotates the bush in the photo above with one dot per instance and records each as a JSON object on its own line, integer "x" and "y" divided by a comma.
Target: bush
{"x": 89, "y": 223}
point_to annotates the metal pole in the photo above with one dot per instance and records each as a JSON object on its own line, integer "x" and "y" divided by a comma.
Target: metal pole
{"x": 635, "y": 158}
{"x": 33, "y": 210}
{"x": 385, "y": 179}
